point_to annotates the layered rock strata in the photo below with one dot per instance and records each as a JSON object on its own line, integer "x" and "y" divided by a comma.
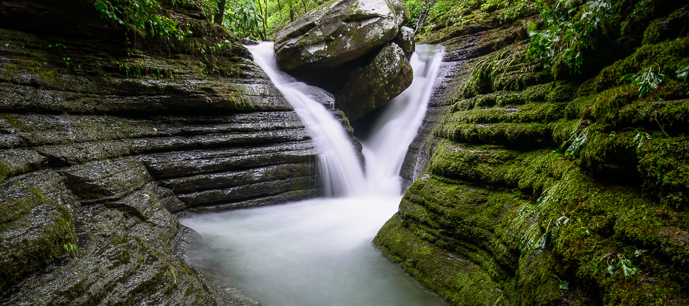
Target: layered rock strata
{"x": 103, "y": 137}
{"x": 533, "y": 190}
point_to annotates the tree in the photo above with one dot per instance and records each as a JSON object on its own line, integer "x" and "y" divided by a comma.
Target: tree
{"x": 221, "y": 12}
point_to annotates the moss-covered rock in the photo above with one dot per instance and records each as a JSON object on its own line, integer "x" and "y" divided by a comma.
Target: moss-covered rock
{"x": 101, "y": 134}
{"x": 539, "y": 191}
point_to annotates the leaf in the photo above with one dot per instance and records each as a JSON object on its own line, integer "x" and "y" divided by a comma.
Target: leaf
{"x": 639, "y": 252}
{"x": 629, "y": 76}
{"x": 628, "y": 268}
{"x": 611, "y": 269}
{"x": 683, "y": 72}
{"x": 540, "y": 244}
{"x": 564, "y": 285}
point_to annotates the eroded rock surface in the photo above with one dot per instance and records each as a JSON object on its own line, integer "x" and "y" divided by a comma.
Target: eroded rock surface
{"x": 375, "y": 83}
{"x": 100, "y": 142}
{"x": 335, "y": 34}
{"x": 329, "y": 45}
{"x": 496, "y": 216}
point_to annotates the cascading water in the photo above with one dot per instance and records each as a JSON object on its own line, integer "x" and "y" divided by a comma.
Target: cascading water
{"x": 396, "y": 127}
{"x": 319, "y": 252}
{"x": 338, "y": 160}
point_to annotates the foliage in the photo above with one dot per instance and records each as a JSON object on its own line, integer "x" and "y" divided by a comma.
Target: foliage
{"x": 646, "y": 79}
{"x": 69, "y": 246}
{"x": 618, "y": 262}
{"x": 143, "y": 17}
{"x": 262, "y": 19}
{"x": 416, "y": 9}
{"x": 683, "y": 72}
{"x": 572, "y": 147}
{"x": 570, "y": 29}
{"x": 244, "y": 19}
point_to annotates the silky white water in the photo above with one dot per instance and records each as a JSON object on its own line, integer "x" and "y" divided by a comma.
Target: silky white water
{"x": 319, "y": 252}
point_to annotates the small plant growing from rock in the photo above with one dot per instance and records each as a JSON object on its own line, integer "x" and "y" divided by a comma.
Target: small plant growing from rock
{"x": 619, "y": 262}
{"x": 71, "y": 247}
{"x": 576, "y": 142}
{"x": 647, "y": 79}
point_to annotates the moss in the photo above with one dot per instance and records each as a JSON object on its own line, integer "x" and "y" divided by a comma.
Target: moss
{"x": 665, "y": 171}
{"x": 517, "y": 135}
{"x": 46, "y": 241}
{"x": 4, "y": 172}
{"x": 622, "y": 197}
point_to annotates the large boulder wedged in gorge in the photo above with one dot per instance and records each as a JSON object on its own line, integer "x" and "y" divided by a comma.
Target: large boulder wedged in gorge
{"x": 374, "y": 84}
{"x": 333, "y": 47}
{"x": 334, "y": 34}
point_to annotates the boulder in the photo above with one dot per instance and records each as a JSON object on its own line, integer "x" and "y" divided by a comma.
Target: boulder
{"x": 405, "y": 39}
{"x": 334, "y": 34}
{"x": 401, "y": 12}
{"x": 375, "y": 83}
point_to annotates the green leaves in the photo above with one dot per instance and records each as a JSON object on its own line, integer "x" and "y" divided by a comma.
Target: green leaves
{"x": 576, "y": 143}
{"x": 647, "y": 79}
{"x": 683, "y": 72}
{"x": 245, "y": 19}
{"x": 619, "y": 263}
{"x": 140, "y": 16}
{"x": 564, "y": 285}
{"x": 639, "y": 139}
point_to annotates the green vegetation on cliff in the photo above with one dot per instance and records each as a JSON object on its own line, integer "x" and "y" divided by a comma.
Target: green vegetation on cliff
{"x": 559, "y": 173}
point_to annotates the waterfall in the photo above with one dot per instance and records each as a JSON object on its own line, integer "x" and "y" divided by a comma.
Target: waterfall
{"x": 396, "y": 127}
{"x": 393, "y": 132}
{"x": 319, "y": 251}
{"x": 339, "y": 165}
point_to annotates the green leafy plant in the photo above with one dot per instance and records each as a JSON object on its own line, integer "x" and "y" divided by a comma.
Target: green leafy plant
{"x": 67, "y": 61}
{"x": 647, "y": 79}
{"x": 639, "y": 139}
{"x": 245, "y": 19}
{"x": 570, "y": 28}
{"x": 683, "y": 72}
{"x": 533, "y": 238}
{"x": 564, "y": 285}
{"x": 573, "y": 146}
{"x": 59, "y": 46}
{"x": 71, "y": 247}
{"x": 618, "y": 262}
{"x": 142, "y": 17}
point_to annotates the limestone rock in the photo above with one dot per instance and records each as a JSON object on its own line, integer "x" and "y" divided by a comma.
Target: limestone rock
{"x": 334, "y": 34}
{"x": 374, "y": 84}
{"x": 401, "y": 12}
{"x": 95, "y": 157}
{"x": 405, "y": 39}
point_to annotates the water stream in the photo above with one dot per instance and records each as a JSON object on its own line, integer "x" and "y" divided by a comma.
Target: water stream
{"x": 319, "y": 252}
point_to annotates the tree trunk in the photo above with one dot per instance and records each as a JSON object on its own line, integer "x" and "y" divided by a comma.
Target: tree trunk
{"x": 265, "y": 19}
{"x": 221, "y": 12}
{"x": 291, "y": 13}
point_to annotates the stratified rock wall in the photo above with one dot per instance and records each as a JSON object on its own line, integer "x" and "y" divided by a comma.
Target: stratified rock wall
{"x": 531, "y": 190}
{"x": 103, "y": 137}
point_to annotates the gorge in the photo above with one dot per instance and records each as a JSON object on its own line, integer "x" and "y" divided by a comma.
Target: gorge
{"x": 546, "y": 171}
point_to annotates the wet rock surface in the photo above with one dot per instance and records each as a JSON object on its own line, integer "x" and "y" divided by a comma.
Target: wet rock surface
{"x": 342, "y": 45}
{"x": 335, "y": 34}
{"x": 375, "y": 83}
{"x": 495, "y": 216}
{"x": 97, "y": 152}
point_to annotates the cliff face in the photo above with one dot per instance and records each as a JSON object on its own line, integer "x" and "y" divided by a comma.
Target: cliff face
{"x": 531, "y": 189}
{"x": 103, "y": 137}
